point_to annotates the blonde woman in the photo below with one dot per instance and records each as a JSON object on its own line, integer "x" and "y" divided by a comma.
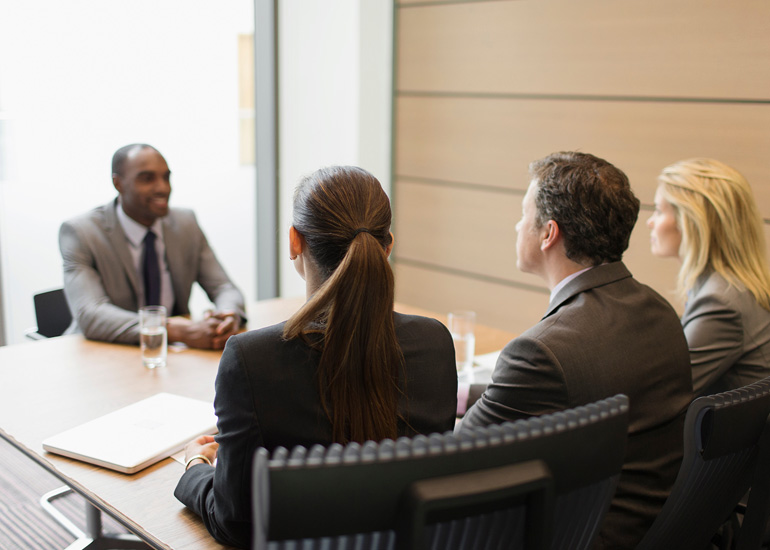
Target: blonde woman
{"x": 706, "y": 216}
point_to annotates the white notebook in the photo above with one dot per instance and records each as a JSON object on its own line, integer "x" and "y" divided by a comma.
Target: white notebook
{"x": 136, "y": 436}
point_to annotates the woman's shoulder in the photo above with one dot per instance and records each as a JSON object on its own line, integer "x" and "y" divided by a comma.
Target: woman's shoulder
{"x": 417, "y": 334}
{"x": 259, "y": 336}
{"x": 413, "y": 323}
{"x": 710, "y": 282}
{"x": 714, "y": 287}
{"x": 715, "y": 295}
{"x": 266, "y": 350}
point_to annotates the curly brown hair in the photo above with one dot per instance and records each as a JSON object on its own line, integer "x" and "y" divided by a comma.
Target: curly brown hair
{"x": 590, "y": 200}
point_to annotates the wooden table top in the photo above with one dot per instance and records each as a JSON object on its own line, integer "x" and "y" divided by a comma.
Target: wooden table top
{"x": 52, "y": 385}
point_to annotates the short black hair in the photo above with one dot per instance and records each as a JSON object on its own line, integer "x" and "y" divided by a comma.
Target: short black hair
{"x": 120, "y": 156}
{"x": 590, "y": 200}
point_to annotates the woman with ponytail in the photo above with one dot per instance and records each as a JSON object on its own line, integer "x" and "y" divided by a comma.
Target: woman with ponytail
{"x": 705, "y": 215}
{"x": 344, "y": 368}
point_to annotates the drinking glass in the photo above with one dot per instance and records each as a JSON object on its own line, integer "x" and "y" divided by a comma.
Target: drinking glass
{"x": 152, "y": 336}
{"x": 462, "y": 325}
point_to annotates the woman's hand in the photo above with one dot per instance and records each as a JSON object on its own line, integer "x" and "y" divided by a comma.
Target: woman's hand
{"x": 201, "y": 446}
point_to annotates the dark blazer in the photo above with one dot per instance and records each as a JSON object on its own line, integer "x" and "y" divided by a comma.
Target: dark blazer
{"x": 728, "y": 333}
{"x": 603, "y": 334}
{"x": 103, "y": 287}
{"x": 266, "y": 396}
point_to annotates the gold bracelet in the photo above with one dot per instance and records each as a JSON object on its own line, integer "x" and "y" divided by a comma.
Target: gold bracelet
{"x": 196, "y": 457}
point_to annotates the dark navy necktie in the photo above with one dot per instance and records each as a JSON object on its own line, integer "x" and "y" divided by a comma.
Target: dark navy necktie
{"x": 151, "y": 271}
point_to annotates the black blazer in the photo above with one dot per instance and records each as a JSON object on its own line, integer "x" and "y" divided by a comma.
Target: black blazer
{"x": 603, "y": 334}
{"x": 266, "y": 396}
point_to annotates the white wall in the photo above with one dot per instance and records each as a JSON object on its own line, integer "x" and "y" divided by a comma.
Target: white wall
{"x": 335, "y": 74}
{"x": 78, "y": 79}
{"x": 375, "y": 88}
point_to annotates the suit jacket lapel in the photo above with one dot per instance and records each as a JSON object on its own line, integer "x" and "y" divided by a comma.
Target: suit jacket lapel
{"x": 597, "y": 276}
{"x": 174, "y": 257}
{"x": 118, "y": 240}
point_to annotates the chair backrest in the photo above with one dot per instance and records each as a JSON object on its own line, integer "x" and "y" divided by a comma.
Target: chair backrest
{"x": 52, "y": 313}
{"x": 722, "y": 436}
{"x": 357, "y": 496}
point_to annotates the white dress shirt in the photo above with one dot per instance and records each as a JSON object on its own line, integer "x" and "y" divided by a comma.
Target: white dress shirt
{"x": 135, "y": 233}
{"x": 564, "y": 282}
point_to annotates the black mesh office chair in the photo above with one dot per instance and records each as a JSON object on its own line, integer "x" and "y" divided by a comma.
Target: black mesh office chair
{"x": 412, "y": 493}
{"x": 726, "y": 439}
{"x": 52, "y": 314}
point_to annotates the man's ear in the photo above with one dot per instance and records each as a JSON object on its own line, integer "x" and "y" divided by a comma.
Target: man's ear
{"x": 116, "y": 183}
{"x": 296, "y": 242}
{"x": 551, "y": 234}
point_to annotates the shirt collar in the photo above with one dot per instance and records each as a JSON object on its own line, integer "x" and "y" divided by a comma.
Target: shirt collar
{"x": 564, "y": 282}
{"x": 134, "y": 230}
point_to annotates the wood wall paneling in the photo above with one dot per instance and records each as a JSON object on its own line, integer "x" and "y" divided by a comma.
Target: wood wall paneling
{"x": 402, "y": 3}
{"x": 703, "y": 48}
{"x": 461, "y": 229}
{"x": 658, "y": 273}
{"x": 502, "y": 306}
{"x": 484, "y": 88}
{"x": 492, "y": 141}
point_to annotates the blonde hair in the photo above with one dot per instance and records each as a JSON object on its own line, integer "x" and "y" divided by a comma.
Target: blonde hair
{"x": 720, "y": 224}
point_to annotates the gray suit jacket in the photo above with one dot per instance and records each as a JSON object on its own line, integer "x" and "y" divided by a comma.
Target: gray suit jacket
{"x": 603, "y": 334}
{"x": 728, "y": 333}
{"x": 101, "y": 283}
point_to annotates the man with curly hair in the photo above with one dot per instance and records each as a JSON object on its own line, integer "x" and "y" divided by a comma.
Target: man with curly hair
{"x": 604, "y": 333}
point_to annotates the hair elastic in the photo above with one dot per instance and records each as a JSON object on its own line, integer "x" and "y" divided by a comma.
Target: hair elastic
{"x": 361, "y": 230}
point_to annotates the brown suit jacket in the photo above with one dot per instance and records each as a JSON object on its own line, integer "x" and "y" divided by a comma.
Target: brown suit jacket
{"x": 603, "y": 334}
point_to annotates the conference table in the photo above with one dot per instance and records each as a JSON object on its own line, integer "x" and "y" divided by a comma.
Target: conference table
{"x": 52, "y": 385}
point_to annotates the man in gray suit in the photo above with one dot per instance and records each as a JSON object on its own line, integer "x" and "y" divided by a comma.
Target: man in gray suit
{"x": 603, "y": 333}
{"x": 105, "y": 254}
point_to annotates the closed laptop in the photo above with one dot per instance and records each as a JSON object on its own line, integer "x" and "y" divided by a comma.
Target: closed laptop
{"x": 139, "y": 435}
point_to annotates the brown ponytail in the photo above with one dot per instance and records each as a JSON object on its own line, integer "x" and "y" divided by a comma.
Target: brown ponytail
{"x": 344, "y": 216}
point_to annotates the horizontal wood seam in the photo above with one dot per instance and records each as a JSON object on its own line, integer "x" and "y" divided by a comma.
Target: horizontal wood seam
{"x": 468, "y": 274}
{"x": 581, "y": 97}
